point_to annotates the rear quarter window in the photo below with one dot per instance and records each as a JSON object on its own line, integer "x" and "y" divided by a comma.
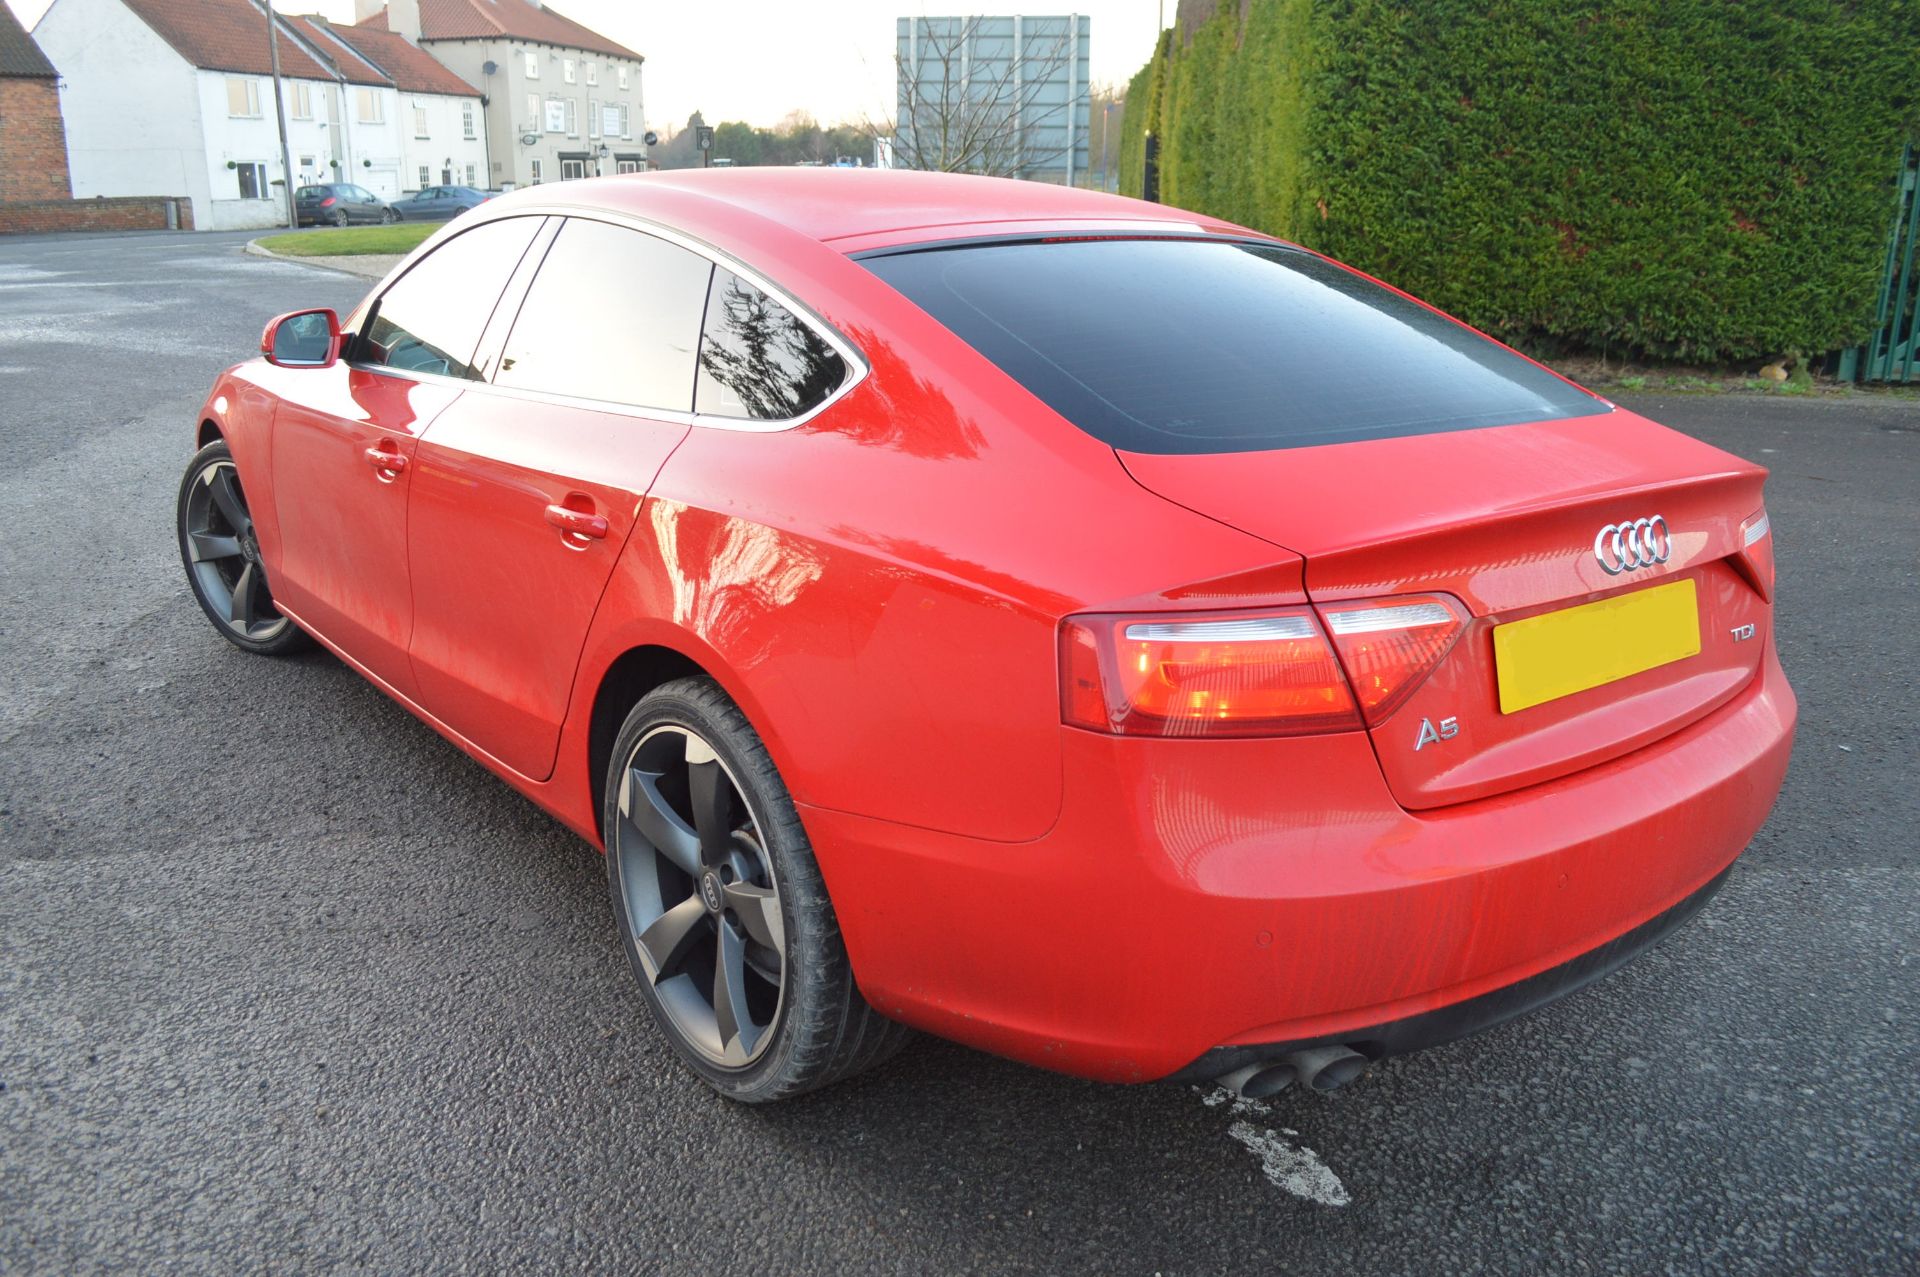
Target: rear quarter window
{"x": 1201, "y": 346}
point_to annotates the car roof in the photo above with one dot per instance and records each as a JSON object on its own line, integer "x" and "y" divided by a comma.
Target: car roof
{"x": 857, "y": 209}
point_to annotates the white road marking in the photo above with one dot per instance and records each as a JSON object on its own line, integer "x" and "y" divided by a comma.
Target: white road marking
{"x": 1293, "y": 1167}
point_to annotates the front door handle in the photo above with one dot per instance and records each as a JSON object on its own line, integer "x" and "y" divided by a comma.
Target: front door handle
{"x": 577, "y": 527}
{"x": 387, "y": 465}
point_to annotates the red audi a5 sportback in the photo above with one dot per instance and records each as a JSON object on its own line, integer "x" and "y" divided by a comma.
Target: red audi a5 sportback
{"x": 1086, "y": 630}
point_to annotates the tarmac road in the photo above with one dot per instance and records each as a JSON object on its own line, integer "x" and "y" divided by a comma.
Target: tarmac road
{"x": 286, "y": 981}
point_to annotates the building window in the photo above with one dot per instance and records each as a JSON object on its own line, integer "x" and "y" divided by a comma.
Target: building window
{"x": 419, "y": 120}
{"x": 533, "y": 64}
{"x": 466, "y": 119}
{"x": 426, "y": 177}
{"x": 622, "y": 73}
{"x": 372, "y": 109}
{"x": 470, "y": 175}
{"x": 626, "y": 166}
{"x": 572, "y": 169}
{"x": 253, "y": 181}
{"x": 593, "y": 73}
{"x": 243, "y": 96}
{"x": 568, "y": 69}
{"x": 533, "y": 111}
{"x": 573, "y": 118}
{"x": 302, "y": 96}
{"x": 593, "y": 119}
{"x": 625, "y": 130}
{"x": 533, "y": 172}
{"x": 556, "y": 116}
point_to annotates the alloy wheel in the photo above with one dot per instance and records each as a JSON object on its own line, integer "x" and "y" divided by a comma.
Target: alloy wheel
{"x": 701, "y": 900}
{"x": 224, "y": 555}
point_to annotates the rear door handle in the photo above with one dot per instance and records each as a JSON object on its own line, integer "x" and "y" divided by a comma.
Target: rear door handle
{"x": 577, "y": 526}
{"x": 387, "y": 464}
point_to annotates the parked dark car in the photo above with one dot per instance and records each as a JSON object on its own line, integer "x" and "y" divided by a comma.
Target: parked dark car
{"x": 439, "y": 203}
{"x": 338, "y": 203}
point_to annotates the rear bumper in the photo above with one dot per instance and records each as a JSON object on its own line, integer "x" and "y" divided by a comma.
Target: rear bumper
{"x": 1196, "y": 897}
{"x": 1474, "y": 1015}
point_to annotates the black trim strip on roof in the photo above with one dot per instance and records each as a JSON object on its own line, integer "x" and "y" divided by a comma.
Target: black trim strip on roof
{"x": 1058, "y": 236}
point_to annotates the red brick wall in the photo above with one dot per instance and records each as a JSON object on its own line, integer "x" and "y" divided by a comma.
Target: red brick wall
{"x": 33, "y": 142}
{"x": 124, "y": 213}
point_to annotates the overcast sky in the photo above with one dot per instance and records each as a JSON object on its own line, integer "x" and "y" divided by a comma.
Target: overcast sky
{"x": 756, "y": 60}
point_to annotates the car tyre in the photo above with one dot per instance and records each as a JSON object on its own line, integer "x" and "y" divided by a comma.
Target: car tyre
{"x": 389, "y": 215}
{"x": 221, "y": 554}
{"x": 340, "y": 217}
{"x": 721, "y": 907}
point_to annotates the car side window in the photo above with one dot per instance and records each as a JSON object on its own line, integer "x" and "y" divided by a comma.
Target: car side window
{"x": 432, "y": 317}
{"x": 614, "y": 315}
{"x": 758, "y": 360}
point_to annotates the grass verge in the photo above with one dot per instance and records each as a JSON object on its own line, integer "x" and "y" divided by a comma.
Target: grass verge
{"x": 351, "y": 241}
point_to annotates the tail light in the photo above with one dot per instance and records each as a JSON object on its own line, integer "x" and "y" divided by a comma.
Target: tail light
{"x": 1389, "y": 646}
{"x": 1756, "y": 552}
{"x": 1195, "y": 674}
{"x": 1253, "y": 674}
{"x": 327, "y": 202}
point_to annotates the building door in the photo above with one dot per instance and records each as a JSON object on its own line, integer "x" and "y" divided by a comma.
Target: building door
{"x": 571, "y": 169}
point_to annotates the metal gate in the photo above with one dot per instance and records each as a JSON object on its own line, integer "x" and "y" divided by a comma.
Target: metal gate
{"x": 1893, "y": 352}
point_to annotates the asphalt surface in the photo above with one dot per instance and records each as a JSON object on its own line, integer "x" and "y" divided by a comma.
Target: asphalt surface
{"x": 287, "y": 982}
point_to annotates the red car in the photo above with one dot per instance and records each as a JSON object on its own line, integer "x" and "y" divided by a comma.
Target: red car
{"x": 1083, "y": 629}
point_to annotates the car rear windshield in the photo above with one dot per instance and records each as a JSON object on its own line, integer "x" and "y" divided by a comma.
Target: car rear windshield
{"x": 1195, "y": 346}
{"x": 311, "y": 193}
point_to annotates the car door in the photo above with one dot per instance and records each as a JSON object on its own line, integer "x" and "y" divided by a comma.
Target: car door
{"x": 526, "y": 490}
{"x": 344, "y": 439}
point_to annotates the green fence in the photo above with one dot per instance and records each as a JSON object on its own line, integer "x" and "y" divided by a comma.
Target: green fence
{"x": 1893, "y": 352}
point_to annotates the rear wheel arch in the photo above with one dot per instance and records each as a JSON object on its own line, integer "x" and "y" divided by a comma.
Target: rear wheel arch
{"x": 632, "y": 675}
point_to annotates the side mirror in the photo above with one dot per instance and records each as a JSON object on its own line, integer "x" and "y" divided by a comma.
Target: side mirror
{"x": 302, "y": 339}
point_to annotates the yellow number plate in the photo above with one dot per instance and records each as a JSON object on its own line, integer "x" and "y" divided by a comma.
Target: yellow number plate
{"x": 1559, "y": 653}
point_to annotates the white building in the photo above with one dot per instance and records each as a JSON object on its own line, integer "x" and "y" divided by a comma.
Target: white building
{"x": 439, "y": 119}
{"x": 563, "y": 101}
{"x": 175, "y": 97}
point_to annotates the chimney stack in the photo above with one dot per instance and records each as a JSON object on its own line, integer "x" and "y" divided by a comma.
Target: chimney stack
{"x": 403, "y": 16}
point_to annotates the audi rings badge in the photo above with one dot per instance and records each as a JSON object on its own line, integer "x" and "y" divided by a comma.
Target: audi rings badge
{"x": 1628, "y": 547}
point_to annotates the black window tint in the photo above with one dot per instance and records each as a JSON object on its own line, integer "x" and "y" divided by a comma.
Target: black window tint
{"x": 432, "y": 317}
{"x": 758, "y": 360}
{"x": 614, "y": 314}
{"x": 1185, "y": 347}
{"x": 311, "y": 193}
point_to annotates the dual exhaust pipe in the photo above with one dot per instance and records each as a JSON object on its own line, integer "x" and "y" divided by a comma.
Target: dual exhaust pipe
{"x": 1320, "y": 1068}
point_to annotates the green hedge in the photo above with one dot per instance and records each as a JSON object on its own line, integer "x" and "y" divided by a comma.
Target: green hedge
{"x": 1700, "y": 179}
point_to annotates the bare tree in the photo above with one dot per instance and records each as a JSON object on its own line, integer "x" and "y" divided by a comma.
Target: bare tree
{"x": 984, "y": 95}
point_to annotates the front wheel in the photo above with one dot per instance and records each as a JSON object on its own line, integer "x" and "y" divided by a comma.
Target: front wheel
{"x": 721, "y": 907}
{"x": 222, "y": 557}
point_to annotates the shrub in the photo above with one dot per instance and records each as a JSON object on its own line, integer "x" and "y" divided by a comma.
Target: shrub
{"x": 1699, "y": 179}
